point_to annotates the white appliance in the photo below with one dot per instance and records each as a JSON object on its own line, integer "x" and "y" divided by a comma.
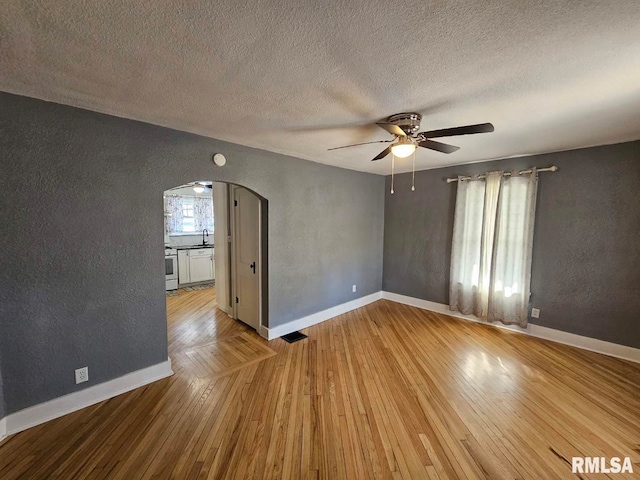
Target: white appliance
{"x": 171, "y": 268}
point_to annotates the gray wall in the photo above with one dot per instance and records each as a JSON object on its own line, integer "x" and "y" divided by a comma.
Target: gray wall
{"x": 1, "y": 397}
{"x": 586, "y": 255}
{"x": 82, "y": 277}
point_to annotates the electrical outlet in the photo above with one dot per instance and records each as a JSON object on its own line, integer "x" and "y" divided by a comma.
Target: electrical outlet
{"x": 353, "y": 289}
{"x": 535, "y": 313}
{"x": 82, "y": 375}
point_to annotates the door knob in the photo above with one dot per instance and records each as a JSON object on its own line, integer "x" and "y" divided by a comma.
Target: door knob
{"x": 253, "y": 267}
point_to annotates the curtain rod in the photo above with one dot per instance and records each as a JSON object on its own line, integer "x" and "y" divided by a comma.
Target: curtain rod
{"x": 552, "y": 168}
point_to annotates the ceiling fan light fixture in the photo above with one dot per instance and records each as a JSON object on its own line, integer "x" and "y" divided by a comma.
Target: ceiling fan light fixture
{"x": 403, "y": 149}
{"x": 404, "y": 127}
{"x": 199, "y": 188}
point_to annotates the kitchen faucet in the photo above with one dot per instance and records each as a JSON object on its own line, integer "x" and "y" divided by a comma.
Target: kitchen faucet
{"x": 203, "y": 233}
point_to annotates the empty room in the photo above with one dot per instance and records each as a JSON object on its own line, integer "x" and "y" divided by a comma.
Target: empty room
{"x": 401, "y": 241}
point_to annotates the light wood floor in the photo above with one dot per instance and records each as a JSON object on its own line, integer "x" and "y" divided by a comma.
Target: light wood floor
{"x": 386, "y": 391}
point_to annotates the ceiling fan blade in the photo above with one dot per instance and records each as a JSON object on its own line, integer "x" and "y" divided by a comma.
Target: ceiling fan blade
{"x": 382, "y": 154}
{"x": 466, "y": 130}
{"x": 392, "y": 128}
{"x": 437, "y": 146}
{"x": 357, "y": 144}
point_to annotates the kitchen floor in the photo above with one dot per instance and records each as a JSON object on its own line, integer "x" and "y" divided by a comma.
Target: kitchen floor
{"x": 183, "y": 290}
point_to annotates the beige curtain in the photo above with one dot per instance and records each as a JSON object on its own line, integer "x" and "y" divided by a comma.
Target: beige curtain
{"x": 492, "y": 247}
{"x": 466, "y": 292}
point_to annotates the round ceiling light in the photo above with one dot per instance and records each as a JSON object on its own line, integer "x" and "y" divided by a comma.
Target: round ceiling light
{"x": 403, "y": 150}
{"x": 198, "y": 188}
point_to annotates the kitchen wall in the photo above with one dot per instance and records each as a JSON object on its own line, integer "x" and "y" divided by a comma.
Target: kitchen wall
{"x": 82, "y": 277}
{"x": 188, "y": 240}
{"x": 586, "y": 254}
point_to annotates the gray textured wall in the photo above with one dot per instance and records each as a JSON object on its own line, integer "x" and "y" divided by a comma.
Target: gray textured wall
{"x": 586, "y": 255}
{"x": 82, "y": 277}
{"x": 1, "y": 396}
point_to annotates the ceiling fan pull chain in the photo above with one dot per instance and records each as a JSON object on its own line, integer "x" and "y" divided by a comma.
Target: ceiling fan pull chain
{"x": 393, "y": 167}
{"x": 413, "y": 173}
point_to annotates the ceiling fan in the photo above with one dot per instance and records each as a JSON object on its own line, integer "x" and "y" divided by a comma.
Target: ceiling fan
{"x": 404, "y": 127}
{"x": 198, "y": 187}
{"x": 202, "y": 187}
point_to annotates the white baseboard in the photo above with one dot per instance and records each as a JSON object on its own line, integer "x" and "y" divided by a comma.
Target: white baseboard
{"x": 43, "y": 412}
{"x": 318, "y": 317}
{"x": 263, "y": 332}
{"x": 586, "y": 343}
{"x": 3, "y": 429}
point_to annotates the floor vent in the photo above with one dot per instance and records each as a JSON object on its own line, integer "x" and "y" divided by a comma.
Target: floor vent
{"x": 293, "y": 337}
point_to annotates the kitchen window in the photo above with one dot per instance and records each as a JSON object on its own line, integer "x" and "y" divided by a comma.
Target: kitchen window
{"x": 188, "y": 215}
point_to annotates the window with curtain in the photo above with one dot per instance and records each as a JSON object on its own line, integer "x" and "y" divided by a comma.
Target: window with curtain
{"x": 186, "y": 214}
{"x": 492, "y": 247}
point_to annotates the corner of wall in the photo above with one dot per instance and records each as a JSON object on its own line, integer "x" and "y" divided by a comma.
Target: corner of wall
{"x": 611, "y": 349}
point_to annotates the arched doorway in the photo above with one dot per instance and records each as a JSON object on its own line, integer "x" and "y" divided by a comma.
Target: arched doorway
{"x": 216, "y": 238}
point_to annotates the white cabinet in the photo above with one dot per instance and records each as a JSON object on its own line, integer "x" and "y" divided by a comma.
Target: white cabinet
{"x": 201, "y": 265}
{"x": 195, "y": 265}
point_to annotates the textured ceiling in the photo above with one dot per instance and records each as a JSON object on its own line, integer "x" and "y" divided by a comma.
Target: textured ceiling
{"x": 284, "y": 75}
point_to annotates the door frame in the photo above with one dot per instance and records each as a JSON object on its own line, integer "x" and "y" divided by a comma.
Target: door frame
{"x": 233, "y": 250}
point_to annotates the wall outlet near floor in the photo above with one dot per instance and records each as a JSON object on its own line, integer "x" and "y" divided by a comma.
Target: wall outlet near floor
{"x": 82, "y": 375}
{"x": 535, "y": 313}
{"x": 353, "y": 289}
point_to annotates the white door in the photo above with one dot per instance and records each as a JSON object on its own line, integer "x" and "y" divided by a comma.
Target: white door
{"x": 246, "y": 254}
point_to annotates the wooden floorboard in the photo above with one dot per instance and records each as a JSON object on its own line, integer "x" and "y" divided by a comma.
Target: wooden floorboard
{"x": 386, "y": 391}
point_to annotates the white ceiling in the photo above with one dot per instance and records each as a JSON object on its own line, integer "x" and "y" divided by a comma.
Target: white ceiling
{"x": 284, "y": 75}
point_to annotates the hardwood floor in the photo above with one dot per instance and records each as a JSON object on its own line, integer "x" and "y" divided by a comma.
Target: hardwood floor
{"x": 386, "y": 391}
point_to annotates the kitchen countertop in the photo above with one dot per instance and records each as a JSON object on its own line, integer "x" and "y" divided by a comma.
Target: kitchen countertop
{"x": 192, "y": 247}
